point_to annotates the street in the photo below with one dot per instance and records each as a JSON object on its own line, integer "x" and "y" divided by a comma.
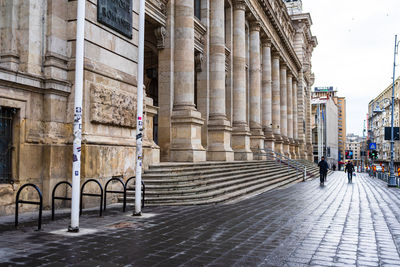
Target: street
{"x": 339, "y": 224}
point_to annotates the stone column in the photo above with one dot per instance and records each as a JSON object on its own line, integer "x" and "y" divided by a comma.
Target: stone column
{"x": 186, "y": 120}
{"x": 295, "y": 121}
{"x": 241, "y": 132}
{"x": 283, "y": 108}
{"x": 9, "y": 20}
{"x": 219, "y": 128}
{"x": 266, "y": 104}
{"x": 301, "y": 116}
{"x": 257, "y": 135}
{"x": 290, "y": 113}
{"x": 276, "y": 102}
{"x": 310, "y": 155}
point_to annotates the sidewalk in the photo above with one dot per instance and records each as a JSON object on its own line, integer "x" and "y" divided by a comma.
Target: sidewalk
{"x": 339, "y": 224}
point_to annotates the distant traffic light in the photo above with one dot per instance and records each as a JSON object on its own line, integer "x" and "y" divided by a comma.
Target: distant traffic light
{"x": 373, "y": 154}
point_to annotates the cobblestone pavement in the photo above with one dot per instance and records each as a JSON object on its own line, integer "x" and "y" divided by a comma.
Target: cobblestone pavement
{"x": 339, "y": 224}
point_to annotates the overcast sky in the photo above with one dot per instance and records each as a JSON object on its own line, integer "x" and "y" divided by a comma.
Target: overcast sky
{"x": 355, "y": 50}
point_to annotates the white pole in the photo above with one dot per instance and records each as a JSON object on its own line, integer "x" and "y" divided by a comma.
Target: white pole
{"x": 139, "y": 122}
{"x": 319, "y": 132}
{"x": 76, "y": 164}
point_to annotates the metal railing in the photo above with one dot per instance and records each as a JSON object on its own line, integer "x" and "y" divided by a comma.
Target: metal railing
{"x": 384, "y": 177}
{"x": 102, "y": 195}
{"x": 54, "y": 197}
{"x": 301, "y": 169}
{"x": 39, "y": 203}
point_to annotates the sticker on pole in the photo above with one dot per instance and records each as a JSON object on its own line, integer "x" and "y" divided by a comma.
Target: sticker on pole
{"x": 372, "y": 146}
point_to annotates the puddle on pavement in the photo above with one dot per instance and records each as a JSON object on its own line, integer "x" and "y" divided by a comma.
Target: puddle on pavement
{"x": 124, "y": 224}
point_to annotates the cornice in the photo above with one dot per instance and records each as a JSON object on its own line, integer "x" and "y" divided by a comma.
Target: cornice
{"x": 271, "y": 25}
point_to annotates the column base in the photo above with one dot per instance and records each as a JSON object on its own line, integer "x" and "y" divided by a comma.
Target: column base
{"x": 257, "y": 144}
{"x": 186, "y": 136}
{"x": 9, "y": 61}
{"x": 286, "y": 149}
{"x": 241, "y": 142}
{"x": 278, "y": 144}
{"x": 309, "y": 151}
{"x": 297, "y": 149}
{"x": 302, "y": 150}
{"x": 219, "y": 139}
{"x": 292, "y": 148}
{"x": 269, "y": 139}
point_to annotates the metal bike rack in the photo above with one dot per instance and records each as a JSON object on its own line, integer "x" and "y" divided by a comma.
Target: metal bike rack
{"x": 53, "y": 197}
{"x": 40, "y": 203}
{"x": 115, "y": 192}
{"x": 127, "y": 189}
{"x": 92, "y": 195}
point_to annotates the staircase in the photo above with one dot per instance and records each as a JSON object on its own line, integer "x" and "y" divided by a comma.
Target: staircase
{"x": 213, "y": 182}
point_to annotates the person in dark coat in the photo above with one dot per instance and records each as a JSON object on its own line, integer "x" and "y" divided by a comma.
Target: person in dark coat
{"x": 334, "y": 167}
{"x": 349, "y": 169}
{"x": 323, "y": 170}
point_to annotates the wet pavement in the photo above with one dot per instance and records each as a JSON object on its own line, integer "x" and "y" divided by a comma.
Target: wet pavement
{"x": 339, "y": 224}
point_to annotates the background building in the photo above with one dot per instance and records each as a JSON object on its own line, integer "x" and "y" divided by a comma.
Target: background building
{"x": 377, "y": 121}
{"x": 325, "y": 127}
{"x": 341, "y": 104}
{"x": 354, "y": 145}
{"x": 336, "y": 114}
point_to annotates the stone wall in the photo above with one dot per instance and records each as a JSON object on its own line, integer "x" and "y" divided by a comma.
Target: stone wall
{"x": 37, "y": 77}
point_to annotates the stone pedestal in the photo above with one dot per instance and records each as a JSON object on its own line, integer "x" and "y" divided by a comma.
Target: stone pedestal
{"x": 292, "y": 148}
{"x": 286, "y": 146}
{"x": 297, "y": 149}
{"x": 269, "y": 141}
{"x": 186, "y": 136}
{"x": 278, "y": 144}
{"x": 241, "y": 142}
{"x": 219, "y": 136}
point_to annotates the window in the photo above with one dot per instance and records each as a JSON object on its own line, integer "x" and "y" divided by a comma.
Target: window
{"x": 197, "y": 9}
{"x": 6, "y": 142}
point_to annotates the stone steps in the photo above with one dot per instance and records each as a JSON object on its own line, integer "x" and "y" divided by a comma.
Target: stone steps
{"x": 212, "y": 182}
{"x": 200, "y": 176}
{"x": 202, "y": 185}
{"x": 220, "y": 195}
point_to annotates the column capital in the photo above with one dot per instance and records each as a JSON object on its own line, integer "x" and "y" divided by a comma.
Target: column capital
{"x": 276, "y": 53}
{"x": 255, "y": 26}
{"x": 289, "y": 74}
{"x": 266, "y": 41}
{"x": 283, "y": 65}
{"x": 239, "y": 5}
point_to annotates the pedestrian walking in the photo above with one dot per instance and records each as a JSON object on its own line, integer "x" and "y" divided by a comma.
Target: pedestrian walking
{"x": 349, "y": 169}
{"x": 323, "y": 170}
{"x": 334, "y": 167}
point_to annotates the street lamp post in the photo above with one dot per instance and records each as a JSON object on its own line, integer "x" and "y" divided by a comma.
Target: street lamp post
{"x": 392, "y": 178}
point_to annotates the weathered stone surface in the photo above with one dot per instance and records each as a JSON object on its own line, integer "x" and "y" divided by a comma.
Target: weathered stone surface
{"x": 113, "y": 107}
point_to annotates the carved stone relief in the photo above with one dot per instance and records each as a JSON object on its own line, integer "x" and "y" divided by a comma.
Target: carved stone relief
{"x": 112, "y": 107}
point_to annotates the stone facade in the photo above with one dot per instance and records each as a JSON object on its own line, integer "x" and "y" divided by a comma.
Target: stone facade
{"x": 377, "y": 121}
{"x": 224, "y": 80}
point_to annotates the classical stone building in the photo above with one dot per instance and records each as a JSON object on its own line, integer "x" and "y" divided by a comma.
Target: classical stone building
{"x": 377, "y": 121}
{"x": 224, "y": 79}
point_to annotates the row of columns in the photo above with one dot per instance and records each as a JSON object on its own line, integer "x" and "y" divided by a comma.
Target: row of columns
{"x": 273, "y": 93}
